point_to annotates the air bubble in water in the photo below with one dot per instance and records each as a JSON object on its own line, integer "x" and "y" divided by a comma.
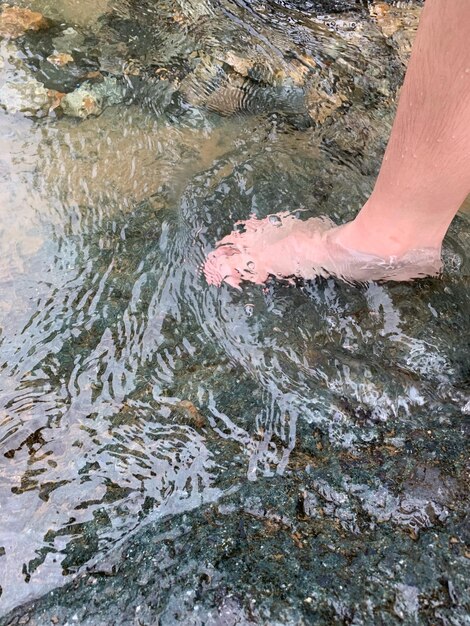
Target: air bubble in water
{"x": 249, "y": 310}
{"x": 250, "y": 265}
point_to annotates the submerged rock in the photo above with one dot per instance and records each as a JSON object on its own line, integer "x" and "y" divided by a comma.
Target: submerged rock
{"x": 15, "y": 21}
{"x": 69, "y": 40}
{"x": 398, "y": 23}
{"x": 29, "y": 97}
{"x": 90, "y": 99}
{"x": 321, "y": 105}
{"x": 20, "y": 91}
{"x": 60, "y": 59}
{"x": 267, "y": 60}
{"x": 82, "y": 103}
{"x": 310, "y": 70}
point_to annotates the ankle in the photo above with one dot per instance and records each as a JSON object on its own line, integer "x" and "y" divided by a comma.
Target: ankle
{"x": 384, "y": 240}
{"x": 392, "y": 232}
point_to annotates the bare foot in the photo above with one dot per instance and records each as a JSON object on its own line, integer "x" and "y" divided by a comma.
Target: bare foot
{"x": 285, "y": 247}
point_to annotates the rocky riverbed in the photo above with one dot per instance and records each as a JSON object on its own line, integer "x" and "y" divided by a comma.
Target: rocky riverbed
{"x": 178, "y": 454}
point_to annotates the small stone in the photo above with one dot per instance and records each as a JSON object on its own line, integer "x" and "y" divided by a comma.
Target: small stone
{"x": 381, "y": 12}
{"x": 308, "y": 505}
{"x": 195, "y": 419}
{"x": 132, "y": 68}
{"x": 94, "y": 75}
{"x": 299, "y": 69}
{"x": 321, "y": 105}
{"x": 275, "y": 220}
{"x": 60, "y": 59}
{"x": 398, "y": 24}
{"x": 81, "y": 103}
{"x": 69, "y": 39}
{"x": 54, "y": 619}
{"x": 179, "y": 18}
{"x": 241, "y": 65}
{"x": 15, "y": 21}
{"x": 453, "y": 540}
{"x": 406, "y": 601}
{"x": 55, "y": 98}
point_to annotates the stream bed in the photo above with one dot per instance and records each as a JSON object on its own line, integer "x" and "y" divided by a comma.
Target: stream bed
{"x": 178, "y": 453}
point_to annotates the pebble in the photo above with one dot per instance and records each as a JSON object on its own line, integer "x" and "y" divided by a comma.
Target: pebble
{"x": 60, "y": 59}
{"x": 81, "y": 103}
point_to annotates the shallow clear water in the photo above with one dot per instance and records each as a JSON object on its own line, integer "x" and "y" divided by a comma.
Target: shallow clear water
{"x": 302, "y": 448}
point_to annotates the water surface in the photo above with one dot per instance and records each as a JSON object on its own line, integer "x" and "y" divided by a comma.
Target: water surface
{"x": 196, "y": 454}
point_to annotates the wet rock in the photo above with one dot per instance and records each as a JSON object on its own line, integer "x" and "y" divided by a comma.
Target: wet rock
{"x": 334, "y": 504}
{"x": 255, "y": 508}
{"x": 113, "y": 57}
{"x": 360, "y": 136}
{"x": 241, "y": 65}
{"x": 16, "y": 21}
{"x": 412, "y": 514}
{"x": 226, "y": 81}
{"x": 228, "y": 92}
{"x": 107, "y": 566}
{"x": 408, "y": 512}
{"x": 82, "y": 103}
{"x": 406, "y": 602}
{"x": 60, "y": 58}
{"x": 21, "y": 92}
{"x": 308, "y": 71}
{"x": 197, "y": 87}
{"x": 184, "y": 570}
{"x": 191, "y": 414}
{"x": 308, "y": 505}
{"x": 428, "y": 482}
{"x": 293, "y": 71}
{"x": 91, "y": 98}
{"x": 321, "y": 105}
{"x": 69, "y": 40}
{"x": 398, "y": 24}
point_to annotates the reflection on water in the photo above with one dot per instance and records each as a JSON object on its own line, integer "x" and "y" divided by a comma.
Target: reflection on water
{"x": 131, "y": 392}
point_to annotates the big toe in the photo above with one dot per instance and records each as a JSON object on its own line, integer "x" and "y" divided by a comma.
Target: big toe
{"x": 220, "y": 266}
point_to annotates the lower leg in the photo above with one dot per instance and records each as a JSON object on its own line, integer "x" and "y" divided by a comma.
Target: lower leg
{"x": 424, "y": 178}
{"x": 425, "y": 174}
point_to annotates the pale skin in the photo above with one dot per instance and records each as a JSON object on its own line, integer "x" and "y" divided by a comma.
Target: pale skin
{"x": 423, "y": 181}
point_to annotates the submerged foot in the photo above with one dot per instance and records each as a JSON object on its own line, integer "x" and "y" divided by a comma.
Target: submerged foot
{"x": 285, "y": 247}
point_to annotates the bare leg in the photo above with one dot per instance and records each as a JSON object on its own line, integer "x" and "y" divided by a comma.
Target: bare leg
{"x": 425, "y": 174}
{"x": 424, "y": 178}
